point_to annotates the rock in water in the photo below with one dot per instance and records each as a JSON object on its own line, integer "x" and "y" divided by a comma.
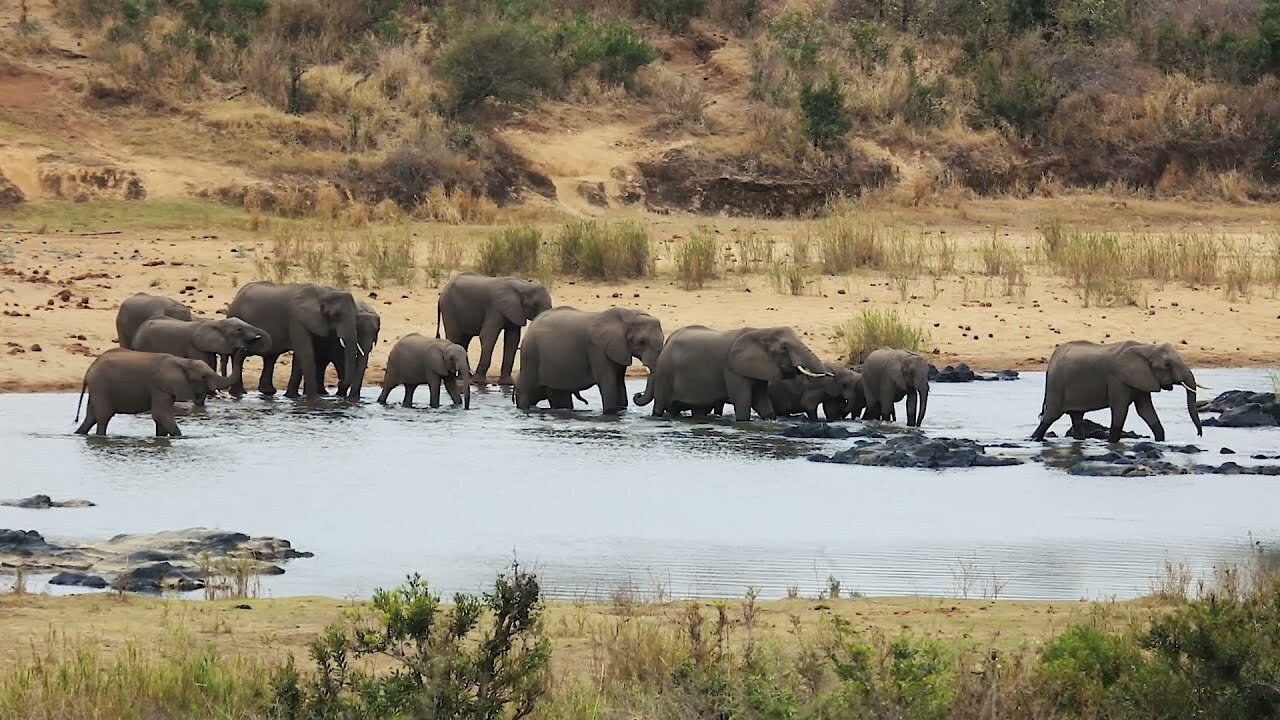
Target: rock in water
{"x": 44, "y": 502}
{"x": 816, "y": 430}
{"x": 1090, "y": 430}
{"x": 918, "y": 451}
{"x": 1247, "y": 415}
{"x": 78, "y": 579}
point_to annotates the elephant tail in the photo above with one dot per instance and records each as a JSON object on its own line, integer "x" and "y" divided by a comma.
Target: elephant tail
{"x": 81, "y": 400}
{"x": 580, "y": 398}
{"x": 437, "y": 319}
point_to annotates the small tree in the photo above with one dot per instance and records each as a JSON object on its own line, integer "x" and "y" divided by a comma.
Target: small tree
{"x": 826, "y": 120}
{"x": 509, "y": 63}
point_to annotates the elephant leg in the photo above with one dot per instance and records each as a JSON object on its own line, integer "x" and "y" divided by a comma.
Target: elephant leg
{"x": 740, "y": 395}
{"x": 832, "y": 410}
{"x": 408, "y": 394}
{"x": 387, "y": 386}
{"x": 90, "y": 419}
{"x": 162, "y": 413}
{"x": 488, "y": 339}
{"x": 510, "y": 343}
{"x": 237, "y": 373}
{"x": 1077, "y": 425}
{"x": 1147, "y": 412}
{"x": 761, "y": 403}
{"x": 102, "y": 421}
{"x": 1047, "y": 419}
{"x": 613, "y": 392}
{"x": 1119, "y": 413}
{"x": 305, "y": 361}
{"x": 452, "y": 386}
{"x": 434, "y": 385}
{"x": 560, "y": 400}
{"x": 266, "y": 383}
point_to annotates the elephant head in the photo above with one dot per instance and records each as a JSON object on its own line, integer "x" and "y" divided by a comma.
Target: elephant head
{"x": 329, "y": 311}
{"x": 770, "y": 354}
{"x": 910, "y": 372}
{"x": 1151, "y": 368}
{"x": 626, "y": 333}
{"x": 456, "y": 368}
{"x": 522, "y": 300}
{"x": 191, "y": 380}
{"x": 368, "y": 325}
{"x": 843, "y": 390}
{"x": 229, "y": 336}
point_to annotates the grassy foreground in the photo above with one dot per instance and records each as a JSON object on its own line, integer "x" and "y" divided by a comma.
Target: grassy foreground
{"x": 505, "y": 654}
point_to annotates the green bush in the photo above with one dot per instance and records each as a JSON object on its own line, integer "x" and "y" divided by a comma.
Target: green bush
{"x": 1092, "y": 20}
{"x": 508, "y": 63}
{"x": 874, "y": 329}
{"x": 673, "y": 15}
{"x": 926, "y": 102}
{"x": 614, "y": 48}
{"x": 825, "y": 117}
{"x": 511, "y": 250}
{"x": 602, "y": 251}
{"x": 482, "y": 658}
{"x": 864, "y": 40}
{"x": 696, "y": 260}
{"x": 1022, "y": 98}
{"x": 800, "y": 36}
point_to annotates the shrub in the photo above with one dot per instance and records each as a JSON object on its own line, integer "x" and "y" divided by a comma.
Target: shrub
{"x": 482, "y": 658}
{"x": 1021, "y": 99}
{"x": 696, "y": 260}
{"x": 602, "y": 251}
{"x": 614, "y": 48}
{"x": 788, "y": 278}
{"x": 848, "y": 242}
{"x": 865, "y": 42}
{"x": 875, "y": 329}
{"x": 673, "y": 15}
{"x": 926, "y": 102}
{"x": 511, "y": 250}
{"x": 508, "y": 63}
{"x": 800, "y": 36}
{"x": 826, "y": 119}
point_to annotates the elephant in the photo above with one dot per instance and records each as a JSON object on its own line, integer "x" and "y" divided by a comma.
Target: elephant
{"x": 137, "y": 308}
{"x": 888, "y": 375}
{"x": 567, "y": 350}
{"x": 1084, "y": 376}
{"x": 297, "y": 317}
{"x": 471, "y": 304}
{"x": 132, "y": 381}
{"x": 203, "y": 339}
{"x": 840, "y": 393}
{"x": 417, "y": 359}
{"x": 329, "y": 352}
{"x": 700, "y": 369}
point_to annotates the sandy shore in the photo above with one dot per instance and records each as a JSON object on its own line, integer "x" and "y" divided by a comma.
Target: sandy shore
{"x": 59, "y": 294}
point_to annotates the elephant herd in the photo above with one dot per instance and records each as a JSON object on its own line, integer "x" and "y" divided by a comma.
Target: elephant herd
{"x": 167, "y": 355}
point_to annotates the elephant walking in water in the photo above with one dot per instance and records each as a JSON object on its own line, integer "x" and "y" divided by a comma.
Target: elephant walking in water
{"x": 203, "y": 339}
{"x": 138, "y": 308}
{"x": 473, "y": 305}
{"x": 840, "y": 394}
{"x": 1084, "y": 376}
{"x": 700, "y": 369}
{"x": 889, "y": 375}
{"x": 297, "y": 318}
{"x": 130, "y": 382}
{"x": 567, "y": 350}
{"x": 417, "y": 359}
{"x": 330, "y": 352}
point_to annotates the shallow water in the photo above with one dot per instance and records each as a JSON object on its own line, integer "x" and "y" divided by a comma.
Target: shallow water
{"x": 677, "y": 507}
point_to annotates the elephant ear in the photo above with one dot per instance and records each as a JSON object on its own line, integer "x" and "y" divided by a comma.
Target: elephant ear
{"x": 180, "y": 377}
{"x": 609, "y": 333}
{"x": 1134, "y": 369}
{"x": 209, "y": 337}
{"x": 308, "y": 310}
{"x": 749, "y": 357}
{"x": 507, "y": 301}
{"x": 459, "y": 359}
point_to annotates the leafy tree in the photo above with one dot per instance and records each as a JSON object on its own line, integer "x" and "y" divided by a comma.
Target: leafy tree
{"x": 1021, "y": 99}
{"x": 826, "y": 120}
{"x": 673, "y": 15}
{"x": 615, "y": 49}
{"x": 507, "y": 62}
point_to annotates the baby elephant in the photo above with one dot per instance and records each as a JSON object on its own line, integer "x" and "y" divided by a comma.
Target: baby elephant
{"x": 131, "y": 382}
{"x": 839, "y": 393}
{"x": 418, "y": 359}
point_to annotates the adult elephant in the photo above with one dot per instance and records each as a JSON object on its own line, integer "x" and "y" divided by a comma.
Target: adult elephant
{"x": 889, "y": 375}
{"x": 329, "y": 352}
{"x": 1084, "y": 376}
{"x": 296, "y": 317}
{"x": 203, "y": 339}
{"x": 473, "y": 305}
{"x": 129, "y": 381}
{"x": 417, "y": 359}
{"x": 567, "y": 350}
{"x": 700, "y": 369}
{"x": 137, "y": 308}
{"x": 839, "y": 393}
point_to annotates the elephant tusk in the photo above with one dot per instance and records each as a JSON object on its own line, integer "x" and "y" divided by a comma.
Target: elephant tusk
{"x": 1198, "y": 386}
{"x": 359, "y": 350}
{"x": 810, "y": 373}
{"x": 342, "y": 344}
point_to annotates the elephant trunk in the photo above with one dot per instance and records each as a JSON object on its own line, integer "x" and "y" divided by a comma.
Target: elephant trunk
{"x": 644, "y": 398}
{"x": 465, "y": 378}
{"x": 1188, "y": 380}
{"x": 917, "y": 404}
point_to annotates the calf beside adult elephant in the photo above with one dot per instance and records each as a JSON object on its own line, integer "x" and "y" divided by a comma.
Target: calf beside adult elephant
{"x": 472, "y": 305}
{"x": 297, "y": 318}
{"x": 700, "y": 369}
{"x": 129, "y": 381}
{"x": 203, "y": 339}
{"x": 889, "y": 375}
{"x": 138, "y": 308}
{"x": 567, "y": 350}
{"x": 330, "y": 352}
{"x": 417, "y": 359}
{"x": 839, "y": 393}
{"x": 1085, "y": 376}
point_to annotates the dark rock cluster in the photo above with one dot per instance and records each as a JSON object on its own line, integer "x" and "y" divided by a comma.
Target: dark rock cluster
{"x": 962, "y": 374}
{"x": 1242, "y": 408}
{"x": 917, "y": 451}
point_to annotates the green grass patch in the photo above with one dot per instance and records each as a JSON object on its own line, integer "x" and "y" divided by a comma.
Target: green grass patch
{"x": 511, "y": 250}
{"x": 696, "y": 260}
{"x": 605, "y": 251}
{"x": 872, "y": 329}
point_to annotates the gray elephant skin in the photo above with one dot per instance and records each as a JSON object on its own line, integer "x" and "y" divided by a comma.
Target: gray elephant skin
{"x": 330, "y": 352}
{"x": 203, "y": 339}
{"x": 889, "y": 375}
{"x": 297, "y": 317}
{"x": 129, "y": 381}
{"x": 137, "y": 308}
{"x": 839, "y": 394}
{"x": 567, "y": 350}
{"x": 417, "y": 359}
{"x": 700, "y": 369}
{"x": 472, "y": 305}
{"x": 1084, "y": 376}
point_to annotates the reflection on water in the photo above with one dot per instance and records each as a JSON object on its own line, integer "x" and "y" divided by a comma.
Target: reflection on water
{"x": 701, "y": 508}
